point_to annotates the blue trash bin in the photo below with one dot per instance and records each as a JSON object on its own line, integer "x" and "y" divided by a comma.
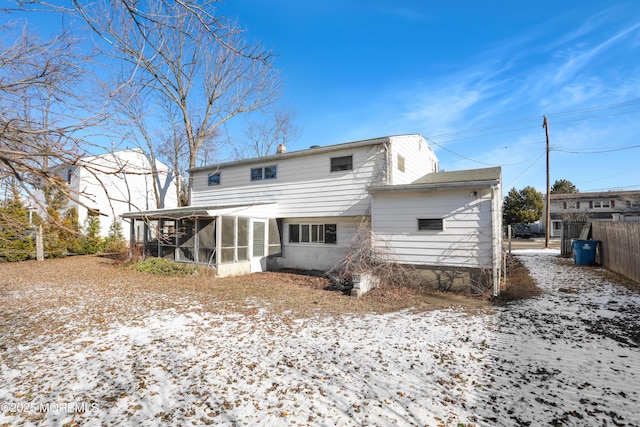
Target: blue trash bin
{"x": 584, "y": 252}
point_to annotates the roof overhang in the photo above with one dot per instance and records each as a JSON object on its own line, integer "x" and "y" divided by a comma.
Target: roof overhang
{"x": 443, "y": 186}
{"x": 293, "y": 154}
{"x": 250, "y": 209}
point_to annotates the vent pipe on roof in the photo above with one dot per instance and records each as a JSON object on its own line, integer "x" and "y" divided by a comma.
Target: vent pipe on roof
{"x": 281, "y": 149}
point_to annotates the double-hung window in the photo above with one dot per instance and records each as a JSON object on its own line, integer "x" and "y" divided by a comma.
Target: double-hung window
{"x": 265, "y": 172}
{"x": 341, "y": 163}
{"x": 214, "y": 179}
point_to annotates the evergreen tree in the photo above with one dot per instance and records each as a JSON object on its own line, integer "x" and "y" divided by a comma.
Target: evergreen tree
{"x": 56, "y": 201}
{"x": 563, "y": 186}
{"x": 69, "y": 232}
{"x": 522, "y": 206}
{"x": 92, "y": 242}
{"x": 16, "y": 237}
{"x": 115, "y": 241}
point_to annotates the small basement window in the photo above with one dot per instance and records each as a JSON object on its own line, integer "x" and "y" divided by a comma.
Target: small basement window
{"x": 430, "y": 224}
{"x": 341, "y": 163}
{"x": 313, "y": 233}
{"x": 214, "y": 179}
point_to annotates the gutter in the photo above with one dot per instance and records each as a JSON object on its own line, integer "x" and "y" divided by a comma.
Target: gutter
{"x": 293, "y": 154}
{"x": 438, "y": 186}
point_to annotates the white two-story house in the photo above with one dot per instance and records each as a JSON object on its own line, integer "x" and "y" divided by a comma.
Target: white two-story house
{"x": 301, "y": 210}
{"x": 593, "y": 206}
{"x": 113, "y": 183}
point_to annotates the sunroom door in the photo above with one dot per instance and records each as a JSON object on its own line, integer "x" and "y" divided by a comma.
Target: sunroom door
{"x": 258, "y": 243}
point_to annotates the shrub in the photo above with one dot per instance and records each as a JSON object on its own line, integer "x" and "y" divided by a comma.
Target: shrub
{"x": 115, "y": 242}
{"x": 163, "y": 267}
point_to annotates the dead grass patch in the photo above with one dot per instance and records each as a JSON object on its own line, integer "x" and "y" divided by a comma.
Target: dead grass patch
{"x": 519, "y": 284}
{"x": 109, "y": 289}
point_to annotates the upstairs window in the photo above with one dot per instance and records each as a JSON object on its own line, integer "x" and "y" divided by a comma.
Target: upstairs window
{"x": 341, "y": 163}
{"x": 214, "y": 179}
{"x": 598, "y": 204}
{"x": 266, "y": 172}
{"x": 430, "y": 224}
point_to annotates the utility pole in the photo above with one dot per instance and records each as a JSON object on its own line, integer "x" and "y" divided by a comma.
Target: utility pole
{"x": 545, "y": 125}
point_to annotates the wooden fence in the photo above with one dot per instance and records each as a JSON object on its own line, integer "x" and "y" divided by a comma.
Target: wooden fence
{"x": 619, "y": 246}
{"x": 570, "y": 232}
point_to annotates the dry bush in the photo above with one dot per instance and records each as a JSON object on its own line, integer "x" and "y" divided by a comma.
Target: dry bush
{"x": 518, "y": 282}
{"x": 368, "y": 253}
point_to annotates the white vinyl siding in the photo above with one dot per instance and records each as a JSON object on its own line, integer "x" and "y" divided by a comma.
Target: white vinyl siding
{"x": 419, "y": 159}
{"x": 465, "y": 241}
{"x": 305, "y": 186}
{"x": 113, "y": 194}
{"x": 317, "y": 256}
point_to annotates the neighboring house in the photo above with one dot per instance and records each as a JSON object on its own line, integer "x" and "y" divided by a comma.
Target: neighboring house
{"x": 593, "y": 206}
{"x": 301, "y": 210}
{"x": 117, "y": 182}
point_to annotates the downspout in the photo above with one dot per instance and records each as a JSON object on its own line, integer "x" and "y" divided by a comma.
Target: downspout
{"x": 496, "y": 246}
{"x": 387, "y": 166}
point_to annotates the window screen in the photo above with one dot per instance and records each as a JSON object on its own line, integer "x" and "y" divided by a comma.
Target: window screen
{"x": 256, "y": 174}
{"x": 342, "y": 163}
{"x": 294, "y": 233}
{"x": 430, "y": 224}
{"x": 214, "y": 179}
{"x": 270, "y": 172}
{"x": 330, "y": 234}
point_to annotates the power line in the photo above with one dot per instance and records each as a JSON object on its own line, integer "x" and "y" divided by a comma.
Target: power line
{"x": 598, "y": 151}
{"x": 527, "y": 168}
{"x": 610, "y": 189}
{"x": 460, "y": 155}
{"x": 537, "y": 118}
{"x": 597, "y": 108}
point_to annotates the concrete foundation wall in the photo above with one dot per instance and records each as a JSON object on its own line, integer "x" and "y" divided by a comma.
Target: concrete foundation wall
{"x": 455, "y": 279}
{"x": 233, "y": 269}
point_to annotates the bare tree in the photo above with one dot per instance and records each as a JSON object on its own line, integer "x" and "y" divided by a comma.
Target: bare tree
{"x": 182, "y": 53}
{"x": 132, "y": 106}
{"x": 278, "y": 128}
{"x": 40, "y": 115}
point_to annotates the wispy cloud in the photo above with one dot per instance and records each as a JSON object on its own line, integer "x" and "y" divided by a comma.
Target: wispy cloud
{"x": 580, "y": 60}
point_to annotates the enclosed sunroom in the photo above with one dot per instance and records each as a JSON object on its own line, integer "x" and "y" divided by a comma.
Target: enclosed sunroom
{"x": 232, "y": 239}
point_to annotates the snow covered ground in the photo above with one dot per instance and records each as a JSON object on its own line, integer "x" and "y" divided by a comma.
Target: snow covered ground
{"x": 568, "y": 357}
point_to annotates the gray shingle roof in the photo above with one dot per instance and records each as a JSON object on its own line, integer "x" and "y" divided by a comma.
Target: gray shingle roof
{"x": 469, "y": 175}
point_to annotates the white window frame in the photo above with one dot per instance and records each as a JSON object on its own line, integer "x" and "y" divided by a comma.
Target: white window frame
{"x": 212, "y": 184}
{"x": 313, "y": 234}
{"x": 263, "y": 171}
{"x": 430, "y": 229}
{"x": 401, "y": 163}
{"x": 340, "y": 164}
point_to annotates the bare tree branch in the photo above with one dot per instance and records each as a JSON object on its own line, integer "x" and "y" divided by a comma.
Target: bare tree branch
{"x": 277, "y": 128}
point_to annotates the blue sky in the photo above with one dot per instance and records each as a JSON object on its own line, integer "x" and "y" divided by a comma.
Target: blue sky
{"x": 475, "y": 78}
